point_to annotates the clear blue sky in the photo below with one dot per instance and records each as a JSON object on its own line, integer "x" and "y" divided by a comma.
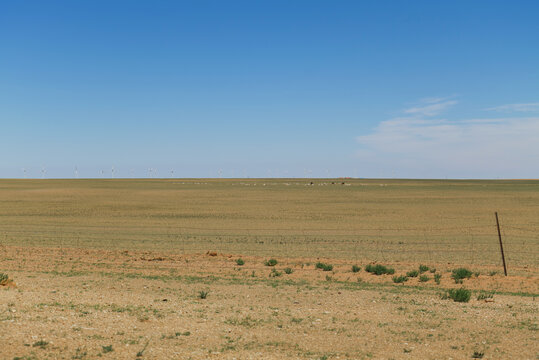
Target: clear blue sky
{"x": 270, "y": 88}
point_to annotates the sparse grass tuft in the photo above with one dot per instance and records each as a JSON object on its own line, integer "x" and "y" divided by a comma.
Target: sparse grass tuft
{"x": 141, "y": 352}
{"x": 424, "y": 278}
{"x": 379, "y": 269}
{"x": 288, "y": 271}
{"x": 423, "y": 268}
{"x": 240, "y": 262}
{"x": 412, "y": 273}
{"x": 478, "y": 355}
{"x": 483, "y": 295}
{"x": 437, "y": 278}
{"x": 270, "y": 262}
{"x": 41, "y": 344}
{"x": 432, "y": 270}
{"x": 492, "y": 273}
{"x": 460, "y": 274}
{"x": 3, "y": 278}
{"x": 107, "y": 349}
{"x": 355, "y": 268}
{"x": 275, "y": 273}
{"x": 400, "y": 279}
{"x": 203, "y": 294}
{"x": 458, "y": 295}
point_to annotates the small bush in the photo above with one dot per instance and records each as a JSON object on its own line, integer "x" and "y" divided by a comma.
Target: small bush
{"x": 324, "y": 267}
{"x": 460, "y": 274}
{"x": 485, "y": 295}
{"x": 400, "y": 279}
{"x": 424, "y": 278}
{"x": 379, "y": 269}
{"x": 458, "y": 295}
{"x": 423, "y": 268}
{"x": 492, "y": 273}
{"x": 240, "y": 262}
{"x": 275, "y": 273}
{"x": 432, "y": 270}
{"x": 412, "y": 273}
{"x": 288, "y": 271}
{"x": 203, "y": 294}
{"x": 270, "y": 262}
{"x": 327, "y": 267}
{"x": 355, "y": 268}
{"x": 437, "y": 278}
{"x": 107, "y": 349}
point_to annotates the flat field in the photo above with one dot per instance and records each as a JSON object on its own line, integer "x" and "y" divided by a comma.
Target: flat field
{"x": 119, "y": 268}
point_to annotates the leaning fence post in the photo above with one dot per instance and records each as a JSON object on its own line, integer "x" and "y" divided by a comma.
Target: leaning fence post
{"x": 501, "y": 245}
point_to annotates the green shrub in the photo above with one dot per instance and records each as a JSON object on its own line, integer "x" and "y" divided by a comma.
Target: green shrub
{"x": 461, "y": 273}
{"x": 458, "y": 295}
{"x": 379, "y": 269}
{"x": 324, "y": 267}
{"x": 288, "y": 271}
{"x": 327, "y": 267}
{"x": 270, "y": 262}
{"x": 107, "y": 349}
{"x": 355, "y": 268}
{"x": 423, "y": 268}
{"x": 240, "y": 262}
{"x": 437, "y": 278}
{"x": 424, "y": 278}
{"x": 400, "y": 279}
{"x": 412, "y": 273}
{"x": 203, "y": 294}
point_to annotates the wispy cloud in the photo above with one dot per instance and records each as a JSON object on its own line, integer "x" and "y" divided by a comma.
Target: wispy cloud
{"x": 430, "y": 107}
{"x": 528, "y": 107}
{"x": 424, "y": 146}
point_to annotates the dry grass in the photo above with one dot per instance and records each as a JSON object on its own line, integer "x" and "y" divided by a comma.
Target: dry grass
{"x": 115, "y": 269}
{"x": 406, "y": 220}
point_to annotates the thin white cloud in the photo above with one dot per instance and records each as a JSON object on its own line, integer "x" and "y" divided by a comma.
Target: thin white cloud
{"x": 529, "y": 107}
{"x": 422, "y": 146}
{"x": 430, "y": 107}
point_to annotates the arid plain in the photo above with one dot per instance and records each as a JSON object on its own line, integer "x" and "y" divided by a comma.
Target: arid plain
{"x": 154, "y": 269}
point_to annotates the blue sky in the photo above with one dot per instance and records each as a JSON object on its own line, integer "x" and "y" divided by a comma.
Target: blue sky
{"x": 419, "y": 89}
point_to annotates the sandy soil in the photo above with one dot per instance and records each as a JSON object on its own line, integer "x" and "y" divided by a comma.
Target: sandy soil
{"x": 87, "y": 304}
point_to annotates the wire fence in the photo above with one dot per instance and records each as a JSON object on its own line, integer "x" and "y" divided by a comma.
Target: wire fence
{"x": 474, "y": 244}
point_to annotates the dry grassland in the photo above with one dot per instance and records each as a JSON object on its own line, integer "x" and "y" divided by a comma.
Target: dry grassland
{"x": 147, "y": 269}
